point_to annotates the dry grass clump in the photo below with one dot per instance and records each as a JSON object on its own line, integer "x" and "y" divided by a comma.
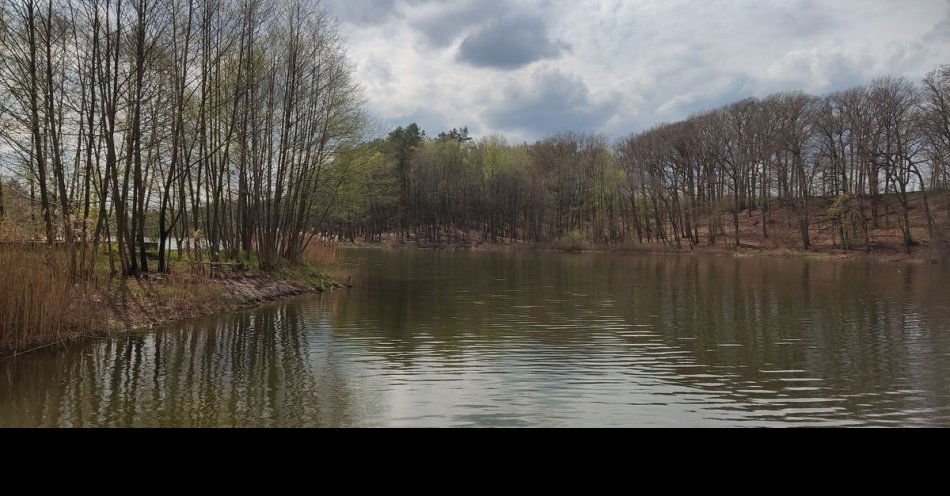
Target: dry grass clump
{"x": 38, "y": 302}
{"x": 324, "y": 251}
{"x": 323, "y": 254}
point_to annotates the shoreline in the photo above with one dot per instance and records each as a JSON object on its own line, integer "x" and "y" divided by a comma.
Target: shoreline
{"x": 155, "y": 300}
{"x": 141, "y": 305}
{"x": 920, "y": 255}
{"x": 231, "y": 293}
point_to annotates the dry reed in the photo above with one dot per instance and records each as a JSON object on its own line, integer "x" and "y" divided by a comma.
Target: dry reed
{"x": 323, "y": 254}
{"x": 38, "y": 303}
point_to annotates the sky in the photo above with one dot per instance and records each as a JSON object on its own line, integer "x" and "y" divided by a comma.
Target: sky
{"x": 526, "y": 69}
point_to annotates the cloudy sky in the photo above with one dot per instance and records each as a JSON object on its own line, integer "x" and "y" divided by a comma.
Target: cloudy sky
{"x": 529, "y": 68}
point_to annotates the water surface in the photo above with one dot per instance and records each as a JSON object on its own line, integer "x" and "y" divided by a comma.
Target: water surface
{"x": 529, "y": 339}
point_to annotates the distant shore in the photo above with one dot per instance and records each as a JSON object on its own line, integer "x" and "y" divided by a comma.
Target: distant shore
{"x": 777, "y": 235}
{"x": 920, "y": 255}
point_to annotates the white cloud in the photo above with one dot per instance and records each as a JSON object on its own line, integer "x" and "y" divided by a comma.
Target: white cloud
{"x": 651, "y": 60}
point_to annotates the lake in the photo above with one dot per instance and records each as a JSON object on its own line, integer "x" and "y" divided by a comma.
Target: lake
{"x": 529, "y": 339}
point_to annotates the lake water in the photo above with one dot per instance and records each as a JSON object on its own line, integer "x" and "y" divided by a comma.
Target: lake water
{"x": 515, "y": 339}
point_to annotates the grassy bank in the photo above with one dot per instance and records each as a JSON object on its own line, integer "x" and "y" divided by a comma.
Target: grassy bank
{"x": 40, "y": 306}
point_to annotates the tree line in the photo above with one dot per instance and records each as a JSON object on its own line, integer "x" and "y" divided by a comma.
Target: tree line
{"x": 681, "y": 184}
{"x": 221, "y": 128}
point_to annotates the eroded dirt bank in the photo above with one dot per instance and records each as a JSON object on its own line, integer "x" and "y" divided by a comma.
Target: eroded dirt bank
{"x": 157, "y": 300}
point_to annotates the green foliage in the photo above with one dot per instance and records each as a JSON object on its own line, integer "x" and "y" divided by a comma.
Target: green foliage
{"x": 452, "y": 185}
{"x": 402, "y": 143}
{"x": 495, "y": 158}
{"x": 574, "y": 241}
{"x": 456, "y": 135}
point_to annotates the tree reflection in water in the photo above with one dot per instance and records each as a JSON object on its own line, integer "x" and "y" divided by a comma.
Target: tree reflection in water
{"x": 255, "y": 368}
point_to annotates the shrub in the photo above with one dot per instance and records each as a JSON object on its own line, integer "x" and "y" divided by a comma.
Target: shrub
{"x": 573, "y": 241}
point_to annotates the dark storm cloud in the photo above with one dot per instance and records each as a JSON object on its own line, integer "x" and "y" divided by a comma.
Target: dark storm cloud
{"x": 551, "y": 103}
{"x": 510, "y": 43}
{"x": 441, "y": 22}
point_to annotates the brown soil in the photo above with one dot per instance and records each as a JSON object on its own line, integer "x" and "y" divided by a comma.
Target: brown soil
{"x": 160, "y": 300}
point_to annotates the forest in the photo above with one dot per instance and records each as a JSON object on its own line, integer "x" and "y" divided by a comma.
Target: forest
{"x": 844, "y": 163}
